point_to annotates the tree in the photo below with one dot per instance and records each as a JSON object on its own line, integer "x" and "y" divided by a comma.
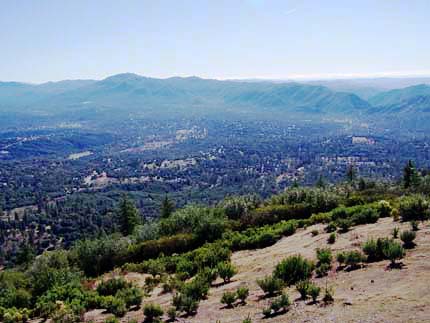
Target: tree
{"x": 351, "y": 173}
{"x": 167, "y": 207}
{"x": 128, "y": 216}
{"x": 320, "y": 182}
{"x": 410, "y": 175}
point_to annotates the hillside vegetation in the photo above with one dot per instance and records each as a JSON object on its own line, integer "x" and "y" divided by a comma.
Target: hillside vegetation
{"x": 328, "y": 253}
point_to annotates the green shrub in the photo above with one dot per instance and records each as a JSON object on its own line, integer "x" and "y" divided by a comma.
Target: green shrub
{"x": 131, "y": 296}
{"x": 395, "y": 233}
{"x": 344, "y": 225}
{"x": 267, "y": 311}
{"x": 226, "y": 270}
{"x": 114, "y": 305}
{"x": 394, "y": 251}
{"x": 303, "y": 287}
{"x": 341, "y": 258}
{"x": 228, "y": 298}
{"x": 64, "y": 314}
{"x": 270, "y": 285}
{"x": 206, "y": 224}
{"x": 247, "y": 320}
{"x": 353, "y": 258}
{"x": 184, "y": 303}
{"x": 324, "y": 256}
{"x": 314, "y": 292}
{"x": 112, "y": 286}
{"x": 366, "y": 215}
{"x": 280, "y": 303}
{"x": 96, "y": 256}
{"x": 294, "y": 269}
{"x": 152, "y": 312}
{"x": 328, "y": 296}
{"x": 384, "y": 209}
{"x": 171, "y": 314}
{"x": 314, "y": 232}
{"x": 374, "y": 249}
{"x": 331, "y": 238}
{"x": 414, "y": 225}
{"x": 408, "y": 238}
{"x": 242, "y": 294}
{"x": 414, "y": 207}
{"x": 339, "y": 213}
{"x": 331, "y": 227}
{"x": 151, "y": 249}
{"x": 197, "y": 289}
{"x": 320, "y": 218}
{"x": 111, "y": 319}
{"x": 14, "y": 315}
{"x": 323, "y": 270}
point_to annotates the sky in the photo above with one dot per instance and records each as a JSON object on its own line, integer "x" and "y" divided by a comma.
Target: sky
{"x": 50, "y": 40}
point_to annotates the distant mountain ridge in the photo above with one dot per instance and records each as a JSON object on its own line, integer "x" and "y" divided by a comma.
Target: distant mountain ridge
{"x": 134, "y": 93}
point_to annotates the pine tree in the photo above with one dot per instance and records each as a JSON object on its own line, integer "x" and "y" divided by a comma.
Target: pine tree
{"x": 128, "y": 216}
{"x": 320, "y": 183}
{"x": 351, "y": 173}
{"x": 167, "y": 207}
{"x": 410, "y": 175}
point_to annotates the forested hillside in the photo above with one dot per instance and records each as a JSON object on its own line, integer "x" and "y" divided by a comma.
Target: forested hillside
{"x": 192, "y": 253}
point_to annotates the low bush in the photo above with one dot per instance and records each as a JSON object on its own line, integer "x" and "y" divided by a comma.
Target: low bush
{"x": 270, "y": 285}
{"x": 14, "y": 315}
{"x": 324, "y": 256}
{"x": 408, "y": 238}
{"x": 366, "y": 215}
{"x": 197, "y": 289}
{"x": 384, "y": 209}
{"x": 131, "y": 296}
{"x": 242, "y": 294}
{"x": 374, "y": 249}
{"x": 294, "y": 269}
{"x": 314, "y": 233}
{"x": 226, "y": 271}
{"x": 331, "y": 227}
{"x": 395, "y": 233}
{"x": 394, "y": 251}
{"x": 112, "y": 286}
{"x": 184, "y": 303}
{"x": 341, "y": 258}
{"x": 152, "y": 312}
{"x": 353, "y": 259}
{"x": 228, "y": 298}
{"x": 331, "y": 238}
{"x": 114, "y": 305}
{"x": 414, "y": 225}
{"x": 279, "y": 304}
{"x": 344, "y": 225}
{"x": 328, "y": 296}
{"x": 111, "y": 319}
{"x": 414, "y": 207}
{"x": 303, "y": 287}
{"x": 171, "y": 314}
{"x": 322, "y": 270}
{"x": 314, "y": 292}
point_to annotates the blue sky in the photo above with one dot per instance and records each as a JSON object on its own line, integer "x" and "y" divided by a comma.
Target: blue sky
{"x": 68, "y": 39}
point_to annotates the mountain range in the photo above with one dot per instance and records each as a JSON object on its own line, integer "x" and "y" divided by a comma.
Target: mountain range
{"x": 131, "y": 93}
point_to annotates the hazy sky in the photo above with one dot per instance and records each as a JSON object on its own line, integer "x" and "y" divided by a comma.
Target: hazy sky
{"x": 45, "y": 40}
